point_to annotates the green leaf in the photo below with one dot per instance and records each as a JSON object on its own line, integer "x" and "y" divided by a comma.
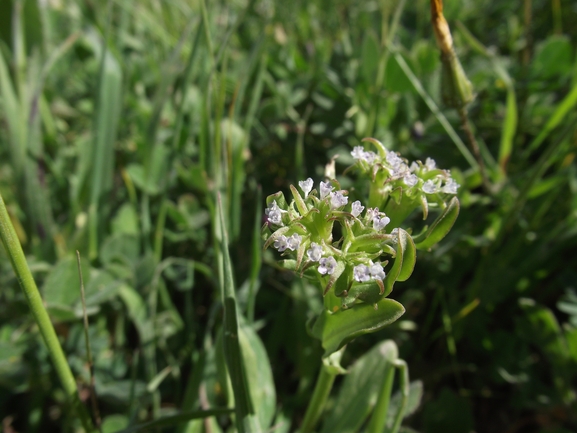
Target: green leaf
{"x": 440, "y": 227}
{"x": 553, "y": 57}
{"x": 360, "y": 389}
{"x": 336, "y": 329}
{"x": 258, "y": 372}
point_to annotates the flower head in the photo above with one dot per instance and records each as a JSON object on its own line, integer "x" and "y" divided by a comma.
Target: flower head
{"x": 294, "y": 242}
{"x": 410, "y": 179}
{"x": 361, "y": 273}
{"x": 357, "y": 208}
{"x": 274, "y": 214}
{"x": 338, "y": 199}
{"x": 430, "y": 187}
{"x": 281, "y": 243}
{"x": 430, "y": 164}
{"x": 327, "y": 265}
{"x": 358, "y": 152}
{"x": 380, "y": 222}
{"x": 306, "y": 186}
{"x": 315, "y": 252}
{"x": 326, "y": 189}
{"x": 450, "y": 187}
{"x": 376, "y": 271}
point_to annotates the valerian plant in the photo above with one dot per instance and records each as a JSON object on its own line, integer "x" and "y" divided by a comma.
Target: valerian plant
{"x": 355, "y": 244}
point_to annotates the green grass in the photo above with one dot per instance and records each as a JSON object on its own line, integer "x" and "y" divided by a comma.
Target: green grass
{"x": 147, "y": 134}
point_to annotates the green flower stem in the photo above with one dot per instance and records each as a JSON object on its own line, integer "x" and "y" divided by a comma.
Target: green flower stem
{"x": 379, "y": 417}
{"x": 322, "y": 390}
{"x": 18, "y": 260}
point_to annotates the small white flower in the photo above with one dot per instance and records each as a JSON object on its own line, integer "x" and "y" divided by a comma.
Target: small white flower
{"x": 430, "y": 187}
{"x": 306, "y": 186}
{"x": 358, "y": 152}
{"x": 361, "y": 273}
{"x": 376, "y": 271}
{"x": 400, "y": 169}
{"x": 326, "y": 189}
{"x": 315, "y": 252}
{"x": 281, "y": 243}
{"x": 294, "y": 242}
{"x": 414, "y": 167}
{"x": 393, "y": 159}
{"x": 450, "y": 187}
{"x": 357, "y": 208}
{"x": 327, "y": 265}
{"x": 369, "y": 157}
{"x": 338, "y": 199}
{"x": 372, "y": 213}
{"x": 380, "y": 223}
{"x": 274, "y": 213}
{"x": 430, "y": 164}
{"x": 410, "y": 179}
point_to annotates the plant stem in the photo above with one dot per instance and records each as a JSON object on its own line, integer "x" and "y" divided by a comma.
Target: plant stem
{"x": 404, "y": 388}
{"x": 379, "y": 417}
{"x": 322, "y": 390}
{"x": 20, "y": 266}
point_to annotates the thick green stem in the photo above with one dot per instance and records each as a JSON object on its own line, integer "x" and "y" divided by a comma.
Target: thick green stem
{"x": 18, "y": 260}
{"x": 379, "y": 417}
{"x": 322, "y": 390}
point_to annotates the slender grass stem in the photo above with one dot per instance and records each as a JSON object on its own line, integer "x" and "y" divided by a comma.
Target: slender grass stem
{"x": 22, "y": 271}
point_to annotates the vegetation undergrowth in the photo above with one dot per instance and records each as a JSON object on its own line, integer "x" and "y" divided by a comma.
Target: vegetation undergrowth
{"x": 237, "y": 180}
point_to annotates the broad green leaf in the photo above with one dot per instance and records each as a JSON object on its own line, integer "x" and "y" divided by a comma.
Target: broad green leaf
{"x": 360, "y": 389}
{"x": 553, "y": 57}
{"x": 440, "y": 227}
{"x": 336, "y": 329}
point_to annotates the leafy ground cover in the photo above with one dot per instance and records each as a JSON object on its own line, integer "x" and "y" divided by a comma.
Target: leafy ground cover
{"x": 122, "y": 123}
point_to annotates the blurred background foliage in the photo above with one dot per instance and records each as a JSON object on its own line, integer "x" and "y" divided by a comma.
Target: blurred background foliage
{"x": 119, "y": 120}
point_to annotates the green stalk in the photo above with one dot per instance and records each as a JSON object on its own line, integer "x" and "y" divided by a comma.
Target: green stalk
{"x": 321, "y": 393}
{"x": 20, "y": 266}
{"x": 379, "y": 417}
{"x": 404, "y": 387}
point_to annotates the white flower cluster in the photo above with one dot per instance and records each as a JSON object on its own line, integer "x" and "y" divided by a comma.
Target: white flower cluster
{"x": 274, "y": 214}
{"x": 288, "y": 243}
{"x": 364, "y": 273}
{"x": 410, "y": 175}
